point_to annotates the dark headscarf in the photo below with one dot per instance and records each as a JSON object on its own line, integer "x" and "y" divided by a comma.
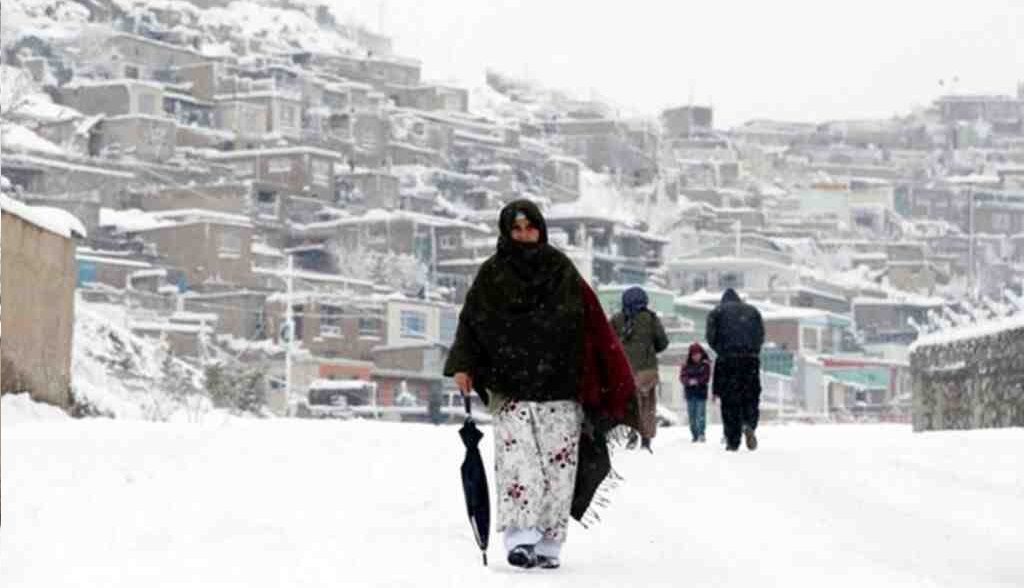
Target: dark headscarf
{"x": 527, "y": 258}
{"x": 634, "y": 301}
{"x": 521, "y": 327}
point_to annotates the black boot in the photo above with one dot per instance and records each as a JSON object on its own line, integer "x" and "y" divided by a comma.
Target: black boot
{"x": 646, "y": 444}
{"x": 751, "y": 438}
{"x": 548, "y": 563}
{"x": 522, "y": 556}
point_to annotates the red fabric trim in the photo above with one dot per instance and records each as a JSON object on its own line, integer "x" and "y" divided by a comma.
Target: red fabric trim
{"x": 606, "y": 379}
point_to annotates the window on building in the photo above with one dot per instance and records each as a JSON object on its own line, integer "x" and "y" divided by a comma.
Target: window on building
{"x": 279, "y": 165}
{"x": 370, "y": 326}
{"x": 330, "y": 321}
{"x": 452, "y": 101}
{"x": 449, "y": 242}
{"x": 828, "y": 341}
{"x": 131, "y": 72}
{"x": 810, "y": 338}
{"x": 449, "y": 322}
{"x": 700, "y": 281}
{"x": 414, "y": 324}
{"x": 368, "y": 139}
{"x": 287, "y": 115}
{"x": 147, "y": 103}
{"x": 242, "y": 169}
{"x": 230, "y": 244}
{"x": 1001, "y": 222}
{"x": 321, "y": 172}
{"x": 730, "y": 280}
{"x": 266, "y": 202}
{"x": 298, "y": 312}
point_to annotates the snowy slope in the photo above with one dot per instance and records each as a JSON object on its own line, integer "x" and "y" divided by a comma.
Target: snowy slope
{"x": 113, "y": 369}
{"x": 295, "y": 503}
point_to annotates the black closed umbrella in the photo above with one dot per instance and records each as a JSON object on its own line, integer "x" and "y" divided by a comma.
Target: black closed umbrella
{"x": 474, "y": 483}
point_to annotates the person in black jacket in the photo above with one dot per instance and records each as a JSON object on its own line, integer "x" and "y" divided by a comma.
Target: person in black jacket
{"x": 735, "y": 331}
{"x": 695, "y": 375}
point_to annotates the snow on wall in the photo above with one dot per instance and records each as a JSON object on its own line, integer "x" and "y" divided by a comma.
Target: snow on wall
{"x": 970, "y": 377}
{"x": 20, "y": 408}
{"x": 14, "y": 137}
{"x": 50, "y": 219}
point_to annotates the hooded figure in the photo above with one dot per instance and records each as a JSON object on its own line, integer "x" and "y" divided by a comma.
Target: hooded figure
{"x": 735, "y": 331}
{"x": 533, "y": 342}
{"x": 643, "y": 337}
{"x": 694, "y": 375}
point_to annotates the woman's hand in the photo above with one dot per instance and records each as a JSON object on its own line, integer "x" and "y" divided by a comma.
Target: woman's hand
{"x": 464, "y": 383}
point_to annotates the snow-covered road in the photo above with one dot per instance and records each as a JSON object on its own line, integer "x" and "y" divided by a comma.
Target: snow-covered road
{"x": 298, "y": 503}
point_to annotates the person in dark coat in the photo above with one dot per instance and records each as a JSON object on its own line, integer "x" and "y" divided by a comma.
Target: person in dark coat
{"x": 525, "y": 342}
{"x": 695, "y": 375}
{"x": 735, "y": 331}
{"x": 643, "y": 337}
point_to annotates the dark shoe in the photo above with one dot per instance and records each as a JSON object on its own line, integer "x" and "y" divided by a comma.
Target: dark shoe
{"x": 732, "y": 447}
{"x": 751, "y": 439}
{"x": 646, "y": 444}
{"x": 548, "y": 563}
{"x": 522, "y": 556}
{"x": 702, "y": 439}
{"x": 695, "y": 439}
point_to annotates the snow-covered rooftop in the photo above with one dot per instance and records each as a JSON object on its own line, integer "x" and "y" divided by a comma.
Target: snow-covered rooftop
{"x": 50, "y": 219}
{"x": 380, "y": 215}
{"x": 270, "y": 152}
{"x": 965, "y": 333}
{"x": 14, "y": 137}
{"x": 135, "y": 220}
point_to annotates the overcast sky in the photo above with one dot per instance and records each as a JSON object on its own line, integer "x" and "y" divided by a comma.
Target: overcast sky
{"x": 785, "y": 59}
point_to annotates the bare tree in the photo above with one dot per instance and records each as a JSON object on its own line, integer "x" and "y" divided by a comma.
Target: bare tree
{"x": 400, "y": 271}
{"x": 16, "y": 91}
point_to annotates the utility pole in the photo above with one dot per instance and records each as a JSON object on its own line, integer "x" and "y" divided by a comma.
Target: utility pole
{"x": 971, "y": 277}
{"x": 290, "y": 329}
{"x": 739, "y": 236}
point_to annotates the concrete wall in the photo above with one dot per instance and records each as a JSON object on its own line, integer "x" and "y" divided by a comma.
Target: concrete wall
{"x": 240, "y": 314}
{"x": 39, "y": 293}
{"x": 196, "y": 250}
{"x": 231, "y": 198}
{"x": 151, "y": 56}
{"x": 112, "y": 100}
{"x": 45, "y": 176}
{"x": 970, "y": 384}
{"x": 292, "y": 170}
{"x": 148, "y": 138}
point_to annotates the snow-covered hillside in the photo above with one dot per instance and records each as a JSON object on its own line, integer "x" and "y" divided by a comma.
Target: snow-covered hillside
{"x": 294, "y": 503}
{"x": 115, "y": 371}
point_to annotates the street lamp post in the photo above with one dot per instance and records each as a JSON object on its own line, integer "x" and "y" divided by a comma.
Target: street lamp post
{"x": 972, "y": 182}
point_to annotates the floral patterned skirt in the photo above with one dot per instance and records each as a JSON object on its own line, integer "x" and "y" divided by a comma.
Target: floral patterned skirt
{"x": 536, "y": 450}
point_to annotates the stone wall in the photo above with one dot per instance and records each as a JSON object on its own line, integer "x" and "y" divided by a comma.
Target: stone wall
{"x": 970, "y": 383}
{"x": 39, "y": 274}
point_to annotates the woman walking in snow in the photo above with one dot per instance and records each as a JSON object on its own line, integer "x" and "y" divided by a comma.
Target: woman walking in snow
{"x": 695, "y": 375}
{"x": 643, "y": 338}
{"x": 533, "y": 341}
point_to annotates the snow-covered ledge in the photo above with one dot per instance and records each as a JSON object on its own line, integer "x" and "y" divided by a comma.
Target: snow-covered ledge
{"x": 970, "y": 377}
